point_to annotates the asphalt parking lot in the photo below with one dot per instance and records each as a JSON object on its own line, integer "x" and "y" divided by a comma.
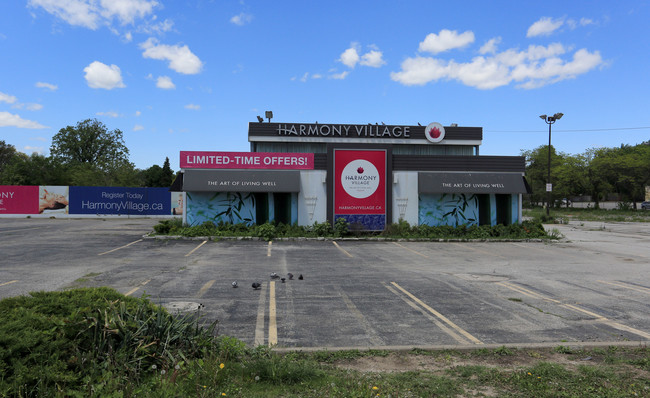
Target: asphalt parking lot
{"x": 592, "y": 287}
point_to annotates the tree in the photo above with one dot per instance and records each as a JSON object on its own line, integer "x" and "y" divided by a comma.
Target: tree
{"x": 94, "y": 155}
{"x": 167, "y": 174}
{"x": 537, "y": 172}
{"x": 33, "y": 170}
{"x": 156, "y": 176}
{"x": 7, "y": 155}
{"x": 90, "y": 142}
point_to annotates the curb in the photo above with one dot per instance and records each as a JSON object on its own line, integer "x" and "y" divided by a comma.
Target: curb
{"x": 473, "y": 347}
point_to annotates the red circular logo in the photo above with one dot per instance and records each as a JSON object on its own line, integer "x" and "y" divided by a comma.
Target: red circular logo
{"x": 434, "y": 132}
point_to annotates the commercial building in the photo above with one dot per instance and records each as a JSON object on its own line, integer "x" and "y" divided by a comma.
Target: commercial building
{"x": 369, "y": 174}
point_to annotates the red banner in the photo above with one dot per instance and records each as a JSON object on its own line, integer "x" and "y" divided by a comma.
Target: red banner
{"x": 246, "y": 160}
{"x": 359, "y": 182}
{"x": 16, "y": 199}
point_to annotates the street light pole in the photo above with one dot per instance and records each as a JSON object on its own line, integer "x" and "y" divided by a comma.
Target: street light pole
{"x": 549, "y": 187}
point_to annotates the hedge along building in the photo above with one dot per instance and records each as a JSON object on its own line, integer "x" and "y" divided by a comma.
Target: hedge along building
{"x": 371, "y": 175}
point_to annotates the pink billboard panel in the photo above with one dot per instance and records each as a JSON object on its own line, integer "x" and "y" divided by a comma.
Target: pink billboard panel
{"x": 246, "y": 160}
{"x": 16, "y": 199}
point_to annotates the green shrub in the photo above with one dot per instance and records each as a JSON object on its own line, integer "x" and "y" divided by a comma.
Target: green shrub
{"x": 322, "y": 229}
{"x": 341, "y": 228}
{"x": 266, "y": 231}
{"x": 166, "y": 226}
{"x": 67, "y": 341}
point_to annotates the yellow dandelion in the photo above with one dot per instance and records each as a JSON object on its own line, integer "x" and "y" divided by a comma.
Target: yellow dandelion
{"x": 375, "y": 388}
{"x": 223, "y": 394}
{"x": 221, "y": 366}
{"x": 530, "y": 374}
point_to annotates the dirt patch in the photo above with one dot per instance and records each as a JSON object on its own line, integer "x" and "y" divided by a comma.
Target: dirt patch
{"x": 439, "y": 362}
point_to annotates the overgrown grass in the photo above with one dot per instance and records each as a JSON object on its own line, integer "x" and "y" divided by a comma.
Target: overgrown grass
{"x": 402, "y": 230}
{"x": 98, "y": 343}
{"x": 563, "y": 215}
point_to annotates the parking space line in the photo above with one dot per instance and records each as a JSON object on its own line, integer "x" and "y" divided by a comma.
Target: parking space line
{"x": 261, "y": 309}
{"x": 628, "y": 286}
{"x": 443, "y": 318}
{"x": 527, "y": 292}
{"x": 608, "y": 322}
{"x": 430, "y": 317}
{"x": 576, "y": 308}
{"x": 121, "y": 247}
{"x": 196, "y": 248}
{"x": 342, "y": 249}
{"x": 268, "y": 250}
{"x": 135, "y": 289}
{"x": 8, "y": 283}
{"x": 205, "y": 288}
{"x": 411, "y": 250}
{"x": 19, "y": 229}
{"x": 273, "y": 327}
{"x": 375, "y": 340}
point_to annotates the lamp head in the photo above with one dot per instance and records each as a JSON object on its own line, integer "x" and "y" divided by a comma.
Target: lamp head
{"x": 558, "y": 116}
{"x": 259, "y": 119}
{"x": 543, "y": 117}
{"x": 268, "y": 115}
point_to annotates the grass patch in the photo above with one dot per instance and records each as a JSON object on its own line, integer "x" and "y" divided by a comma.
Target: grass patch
{"x": 99, "y": 343}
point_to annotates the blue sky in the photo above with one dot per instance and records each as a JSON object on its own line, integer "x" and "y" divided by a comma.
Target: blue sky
{"x": 190, "y": 75}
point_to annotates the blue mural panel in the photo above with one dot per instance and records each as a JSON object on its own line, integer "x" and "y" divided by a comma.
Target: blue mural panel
{"x": 119, "y": 200}
{"x": 448, "y": 209}
{"x": 226, "y": 207}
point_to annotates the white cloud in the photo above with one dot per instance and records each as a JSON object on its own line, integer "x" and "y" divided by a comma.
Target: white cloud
{"x": 49, "y": 86}
{"x": 193, "y": 107}
{"x": 126, "y": 11}
{"x": 109, "y": 114}
{"x": 75, "y": 12}
{"x": 155, "y": 28}
{"x": 10, "y": 120}
{"x": 241, "y": 19}
{"x": 33, "y": 149}
{"x": 531, "y": 68}
{"x": 92, "y": 14}
{"x": 10, "y": 99}
{"x": 138, "y": 113}
{"x": 350, "y": 57}
{"x": 99, "y": 75}
{"x": 180, "y": 58}
{"x": 585, "y": 22}
{"x": 29, "y": 106}
{"x": 544, "y": 27}
{"x": 340, "y": 76}
{"x": 373, "y": 59}
{"x": 446, "y": 40}
{"x": 165, "y": 82}
{"x": 138, "y": 127}
{"x": 490, "y": 47}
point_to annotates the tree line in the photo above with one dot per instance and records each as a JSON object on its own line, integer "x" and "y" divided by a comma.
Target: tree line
{"x": 599, "y": 173}
{"x": 87, "y": 154}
